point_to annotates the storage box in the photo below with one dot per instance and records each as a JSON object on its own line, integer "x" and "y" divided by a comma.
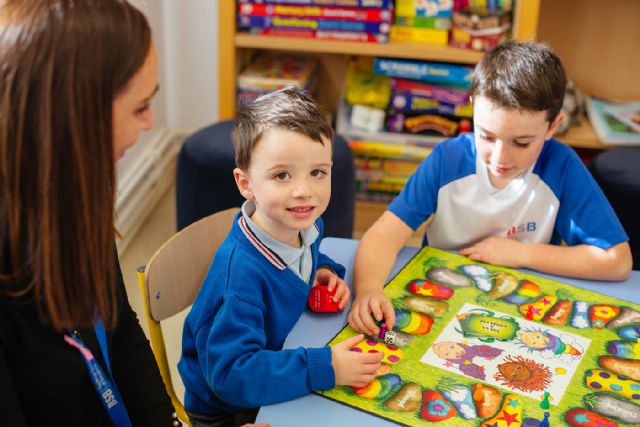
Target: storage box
{"x": 482, "y": 40}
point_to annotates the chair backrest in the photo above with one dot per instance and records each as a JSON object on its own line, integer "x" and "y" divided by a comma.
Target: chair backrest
{"x": 170, "y": 281}
{"x": 175, "y": 272}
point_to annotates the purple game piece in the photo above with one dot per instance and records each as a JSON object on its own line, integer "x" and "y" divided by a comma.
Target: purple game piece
{"x": 383, "y": 330}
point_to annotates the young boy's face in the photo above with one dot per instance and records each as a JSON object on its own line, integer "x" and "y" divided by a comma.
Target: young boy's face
{"x": 508, "y": 141}
{"x": 289, "y": 179}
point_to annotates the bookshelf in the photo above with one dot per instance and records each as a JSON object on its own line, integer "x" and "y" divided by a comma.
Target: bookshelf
{"x": 424, "y": 52}
{"x": 235, "y": 50}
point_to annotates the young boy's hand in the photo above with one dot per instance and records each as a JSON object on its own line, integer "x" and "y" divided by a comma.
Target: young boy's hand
{"x": 354, "y": 368}
{"x": 496, "y": 250}
{"x": 325, "y": 276}
{"x": 367, "y": 304}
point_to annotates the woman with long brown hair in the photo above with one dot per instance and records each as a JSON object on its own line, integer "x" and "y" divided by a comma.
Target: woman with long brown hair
{"x": 77, "y": 77}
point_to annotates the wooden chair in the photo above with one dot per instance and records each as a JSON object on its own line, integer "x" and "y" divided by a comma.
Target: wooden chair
{"x": 170, "y": 281}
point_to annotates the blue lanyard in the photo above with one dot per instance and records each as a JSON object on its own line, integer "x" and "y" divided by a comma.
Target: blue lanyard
{"x": 108, "y": 392}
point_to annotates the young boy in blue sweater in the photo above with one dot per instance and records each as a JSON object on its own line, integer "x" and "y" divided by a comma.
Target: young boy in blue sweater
{"x": 260, "y": 279}
{"x": 507, "y": 194}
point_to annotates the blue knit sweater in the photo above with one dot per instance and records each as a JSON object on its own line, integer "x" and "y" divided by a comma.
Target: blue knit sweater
{"x": 232, "y": 356}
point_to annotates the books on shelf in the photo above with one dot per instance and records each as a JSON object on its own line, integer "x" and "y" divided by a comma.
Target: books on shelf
{"x": 615, "y": 123}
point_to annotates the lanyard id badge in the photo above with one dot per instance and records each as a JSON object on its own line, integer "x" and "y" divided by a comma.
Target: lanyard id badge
{"x": 107, "y": 391}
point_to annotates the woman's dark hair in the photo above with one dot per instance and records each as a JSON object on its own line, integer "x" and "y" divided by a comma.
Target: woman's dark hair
{"x": 523, "y": 76}
{"x": 62, "y": 63}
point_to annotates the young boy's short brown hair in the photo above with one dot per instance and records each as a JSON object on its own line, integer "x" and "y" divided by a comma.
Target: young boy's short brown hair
{"x": 288, "y": 109}
{"x": 523, "y": 76}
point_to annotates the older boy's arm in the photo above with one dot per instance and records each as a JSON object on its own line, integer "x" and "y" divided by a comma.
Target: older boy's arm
{"x": 375, "y": 258}
{"x": 580, "y": 261}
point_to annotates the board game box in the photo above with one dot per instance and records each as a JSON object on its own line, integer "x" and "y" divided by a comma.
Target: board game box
{"x": 481, "y": 345}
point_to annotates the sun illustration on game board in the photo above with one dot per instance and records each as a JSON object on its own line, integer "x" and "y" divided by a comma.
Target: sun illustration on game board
{"x": 523, "y": 374}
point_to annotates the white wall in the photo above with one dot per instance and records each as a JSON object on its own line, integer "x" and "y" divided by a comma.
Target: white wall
{"x": 191, "y": 63}
{"x": 185, "y": 33}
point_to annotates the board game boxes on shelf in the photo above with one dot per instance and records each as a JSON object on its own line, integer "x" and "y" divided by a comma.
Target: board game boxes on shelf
{"x": 382, "y": 168}
{"x": 401, "y": 33}
{"x": 422, "y": 22}
{"x": 326, "y": 20}
{"x": 344, "y": 3}
{"x": 268, "y": 72}
{"x": 424, "y": 8}
{"x": 428, "y": 72}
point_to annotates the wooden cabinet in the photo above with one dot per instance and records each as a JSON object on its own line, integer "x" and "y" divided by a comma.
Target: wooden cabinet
{"x": 563, "y": 24}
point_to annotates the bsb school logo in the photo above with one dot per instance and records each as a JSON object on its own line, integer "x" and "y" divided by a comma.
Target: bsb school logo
{"x": 528, "y": 227}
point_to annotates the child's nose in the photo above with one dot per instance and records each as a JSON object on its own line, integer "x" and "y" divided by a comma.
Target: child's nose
{"x": 499, "y": 155}
{"x": 301, "y": 188}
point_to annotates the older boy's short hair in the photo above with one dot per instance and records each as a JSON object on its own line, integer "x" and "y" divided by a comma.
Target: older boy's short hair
{"x": 524, "y": 76}
{"x": 287, "y": 109}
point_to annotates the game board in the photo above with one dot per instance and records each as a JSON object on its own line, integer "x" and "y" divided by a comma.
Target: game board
{"x": 481, "y": 345}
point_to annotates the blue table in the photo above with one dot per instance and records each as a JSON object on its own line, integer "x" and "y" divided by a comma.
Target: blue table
{"x": 317, "y": 329}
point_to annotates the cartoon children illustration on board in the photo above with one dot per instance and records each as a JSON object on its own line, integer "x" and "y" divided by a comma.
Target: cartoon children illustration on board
{"x": 539, "y": 340}
{"x": 463, "y": 355}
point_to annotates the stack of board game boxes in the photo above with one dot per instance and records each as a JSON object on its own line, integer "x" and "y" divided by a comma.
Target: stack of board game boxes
{"x": 344, "y": 20}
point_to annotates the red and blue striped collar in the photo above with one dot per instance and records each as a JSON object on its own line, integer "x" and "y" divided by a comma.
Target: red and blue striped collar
{"x": 268, "y": 253}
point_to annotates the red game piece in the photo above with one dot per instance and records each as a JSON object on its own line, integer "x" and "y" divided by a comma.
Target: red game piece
{"x": 529, "y": 315}
{"x": 320, "y": 300}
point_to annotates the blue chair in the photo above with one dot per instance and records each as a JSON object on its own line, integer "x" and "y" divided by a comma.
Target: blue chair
{"x": 205, "y": 184}
{"x": 617, "y": 173}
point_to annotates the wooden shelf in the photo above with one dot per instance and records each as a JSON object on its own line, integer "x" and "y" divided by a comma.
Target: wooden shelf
{"x": 392, "y": 49}
{"x": 583, "y": 136}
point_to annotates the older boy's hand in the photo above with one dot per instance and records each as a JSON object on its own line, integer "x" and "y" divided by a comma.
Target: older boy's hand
{"x": 366, "y": 304}
{"x": 496, "y": 250}
{"x": 325, "y": 276}
{"x": 354, "y": 368}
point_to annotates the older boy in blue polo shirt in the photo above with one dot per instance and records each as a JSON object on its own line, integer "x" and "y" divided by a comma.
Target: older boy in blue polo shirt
{"x": 507, "y": 194}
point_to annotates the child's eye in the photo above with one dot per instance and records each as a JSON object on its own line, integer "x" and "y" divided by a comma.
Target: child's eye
{"x": 317, "y": 173}
{"x": 281, "y": 176}
{"x": 521, "y": 144}
{"x": 486, "y": 138}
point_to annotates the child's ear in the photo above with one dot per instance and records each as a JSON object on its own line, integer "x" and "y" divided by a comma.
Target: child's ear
{"x": 553, "y": 127}
{"x": 242, "y": 181}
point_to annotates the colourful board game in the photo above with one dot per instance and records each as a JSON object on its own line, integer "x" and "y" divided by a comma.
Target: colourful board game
{"x": 480, "y": 345}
